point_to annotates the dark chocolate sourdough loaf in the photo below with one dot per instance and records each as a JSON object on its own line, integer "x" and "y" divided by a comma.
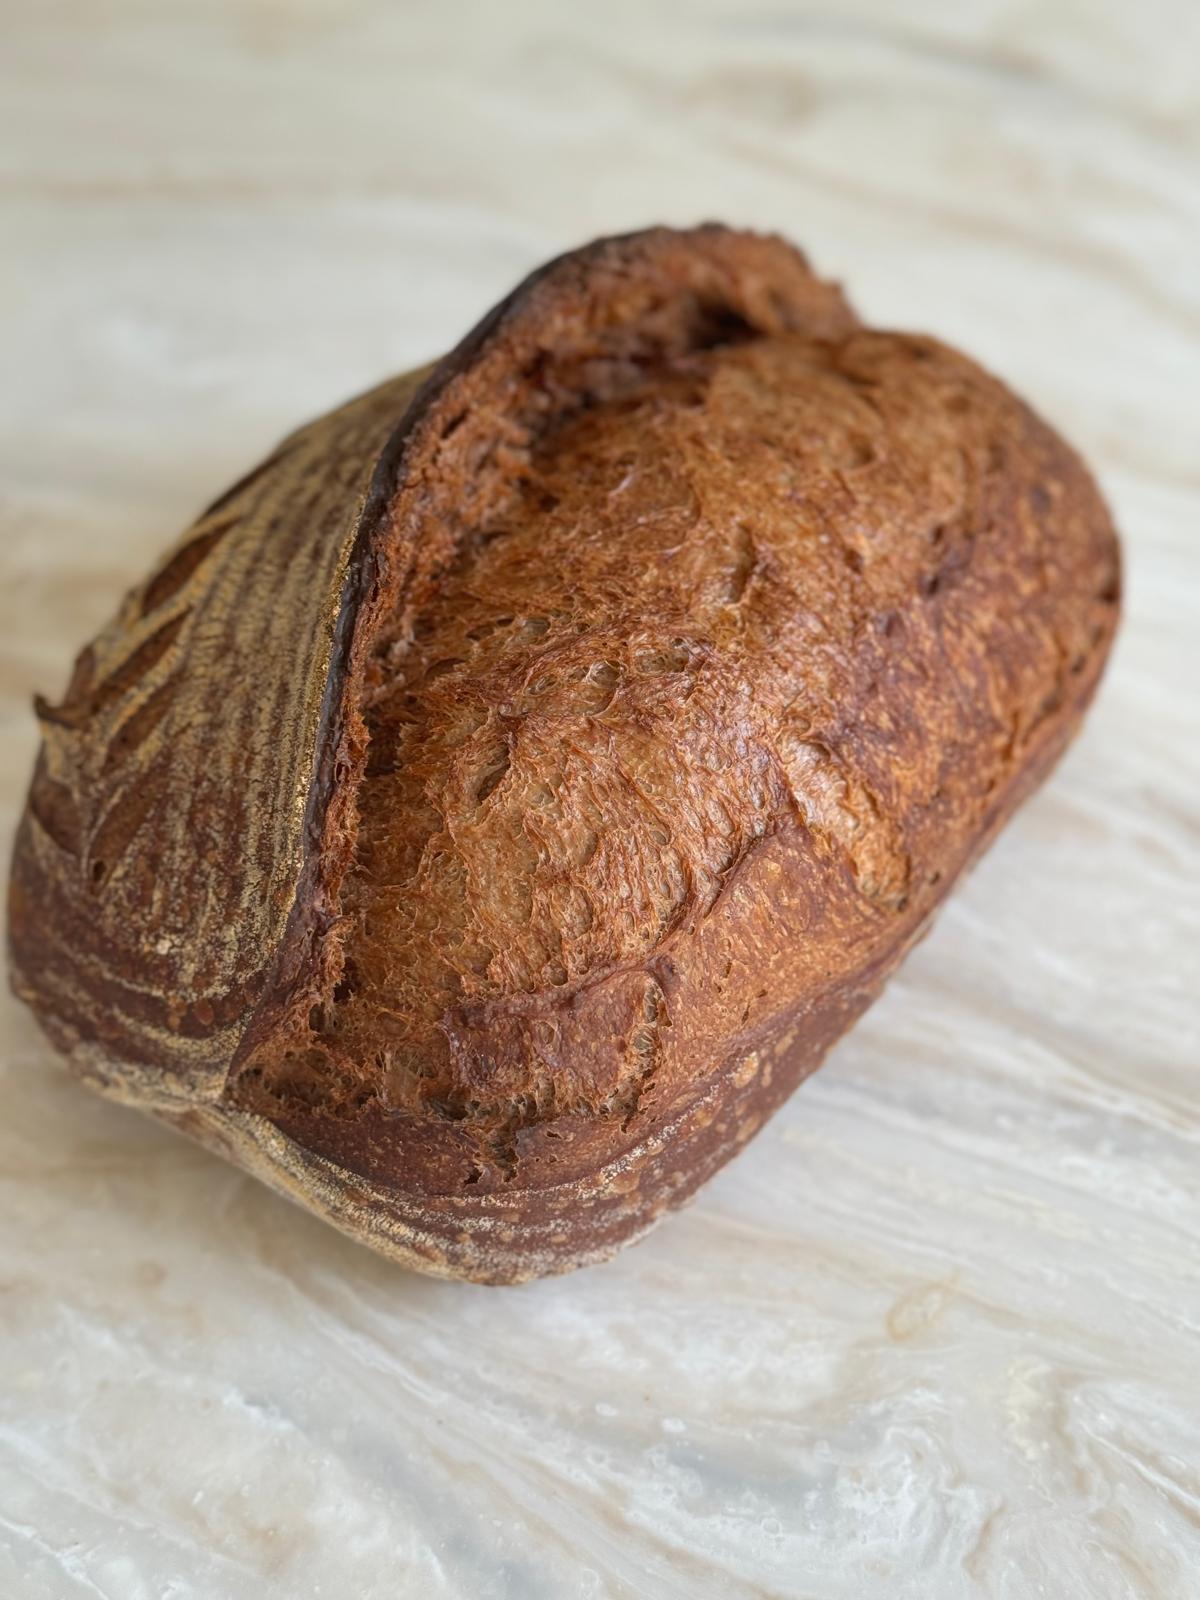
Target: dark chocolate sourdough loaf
{"x": 502, "y": 798}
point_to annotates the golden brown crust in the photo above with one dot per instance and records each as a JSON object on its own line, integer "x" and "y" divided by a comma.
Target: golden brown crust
{"x": 697, "y": 639}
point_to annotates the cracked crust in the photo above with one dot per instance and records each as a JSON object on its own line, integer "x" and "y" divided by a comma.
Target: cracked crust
{"x": 631, "y": 694}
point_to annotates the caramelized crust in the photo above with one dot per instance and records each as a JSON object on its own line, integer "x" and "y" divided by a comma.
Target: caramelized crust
{"x": 693, "y": 640}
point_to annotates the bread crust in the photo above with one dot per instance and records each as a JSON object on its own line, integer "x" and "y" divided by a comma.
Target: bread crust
{"x": 934, "y": 592}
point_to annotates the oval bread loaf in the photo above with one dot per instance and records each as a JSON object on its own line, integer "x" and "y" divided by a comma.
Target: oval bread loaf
{"x": 502, "y": 798}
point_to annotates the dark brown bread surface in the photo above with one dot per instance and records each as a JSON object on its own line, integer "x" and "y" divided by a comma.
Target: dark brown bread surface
{"x": 503, "y": 798}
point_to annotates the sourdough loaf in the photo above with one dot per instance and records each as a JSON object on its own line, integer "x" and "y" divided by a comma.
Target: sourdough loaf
{"x": 501, "y": 799}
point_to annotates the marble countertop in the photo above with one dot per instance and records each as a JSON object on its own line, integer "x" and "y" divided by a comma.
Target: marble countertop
{"x": 937, "y": 1333}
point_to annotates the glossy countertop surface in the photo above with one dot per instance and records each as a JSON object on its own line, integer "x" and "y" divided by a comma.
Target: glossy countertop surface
{"x": 936, "y": 1334}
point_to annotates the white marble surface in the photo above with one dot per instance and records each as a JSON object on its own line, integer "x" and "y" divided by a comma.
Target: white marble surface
{"x": 937, "y": 1334}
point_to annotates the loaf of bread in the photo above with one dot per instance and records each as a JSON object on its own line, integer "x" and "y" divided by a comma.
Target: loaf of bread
{"x": 503, "y": 797}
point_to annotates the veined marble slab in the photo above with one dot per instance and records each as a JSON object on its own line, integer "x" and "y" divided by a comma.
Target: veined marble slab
{"x": 937, "y": 1333}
